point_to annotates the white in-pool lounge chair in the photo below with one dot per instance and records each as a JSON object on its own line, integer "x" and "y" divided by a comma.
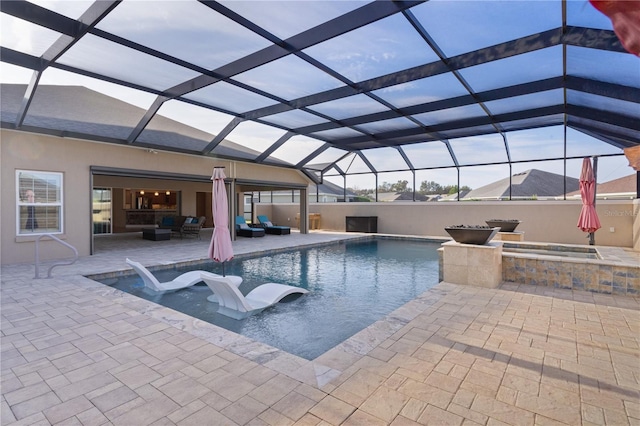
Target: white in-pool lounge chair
{"x": 235, "y": 305}
{"x": 183, "y": 281}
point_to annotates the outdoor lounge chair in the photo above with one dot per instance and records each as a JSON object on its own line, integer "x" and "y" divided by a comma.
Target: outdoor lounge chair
{"x": 182, "y": 281}
{"x": 270, "y": 228}
{"x": 244, "y": 230}
{"x": 194, "y": 227}
{"x": 235, "y": 305}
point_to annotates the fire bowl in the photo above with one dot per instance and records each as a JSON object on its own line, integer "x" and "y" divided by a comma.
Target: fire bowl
{"x": 467, "y": 234}
{"x": 506, "y": 225}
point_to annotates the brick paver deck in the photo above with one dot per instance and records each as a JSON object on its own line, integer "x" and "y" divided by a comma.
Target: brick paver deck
{"x": 77, "y": 353}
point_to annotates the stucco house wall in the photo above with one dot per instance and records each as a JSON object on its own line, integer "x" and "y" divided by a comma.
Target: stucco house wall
{"x": 74, "y": 158}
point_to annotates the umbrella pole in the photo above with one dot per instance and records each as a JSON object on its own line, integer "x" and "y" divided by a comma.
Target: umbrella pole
{"x": 592, "y": 235}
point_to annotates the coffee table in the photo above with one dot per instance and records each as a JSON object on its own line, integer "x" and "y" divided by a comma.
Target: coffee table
{"x": 156, "y": 234}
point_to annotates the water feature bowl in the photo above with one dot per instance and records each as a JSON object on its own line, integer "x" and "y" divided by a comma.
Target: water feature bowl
{"x": 506, "y": 225}
{"x": 472, "y": 234}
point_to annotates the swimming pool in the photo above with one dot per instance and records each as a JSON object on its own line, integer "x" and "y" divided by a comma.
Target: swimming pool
{"x": 352, "y": 285}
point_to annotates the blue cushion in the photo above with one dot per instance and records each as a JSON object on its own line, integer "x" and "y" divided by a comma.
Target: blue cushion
{"x": 167, "y": 221}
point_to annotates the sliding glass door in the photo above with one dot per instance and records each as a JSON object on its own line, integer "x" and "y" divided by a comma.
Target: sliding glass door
{"x": 101, "y": 211}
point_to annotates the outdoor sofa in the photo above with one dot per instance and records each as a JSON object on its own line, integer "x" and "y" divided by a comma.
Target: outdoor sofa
{"x": 179, "y": 225}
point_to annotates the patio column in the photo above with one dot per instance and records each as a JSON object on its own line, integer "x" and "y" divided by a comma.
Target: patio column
{"x": 636, "y": 224}
{"x": 304, "y": 211}
{"x": 232, "y": 199}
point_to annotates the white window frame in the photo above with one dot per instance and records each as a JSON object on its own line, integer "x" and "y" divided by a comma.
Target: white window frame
{"x": 44, "y": 184}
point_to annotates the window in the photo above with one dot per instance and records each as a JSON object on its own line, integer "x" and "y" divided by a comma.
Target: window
{"x": 39, "y": 206}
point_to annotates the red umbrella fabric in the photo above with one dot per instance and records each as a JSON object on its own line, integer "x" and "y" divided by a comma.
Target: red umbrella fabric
{"x": 588, "y": 220}
{"x": 220, "y": 248}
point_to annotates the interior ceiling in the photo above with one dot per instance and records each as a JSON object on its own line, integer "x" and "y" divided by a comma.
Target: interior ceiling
{"x": 321, "y": 85}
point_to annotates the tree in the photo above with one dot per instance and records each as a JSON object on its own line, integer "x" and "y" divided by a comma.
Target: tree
{"x": 426, "y": 188}
{"x": 385, "y": 187}
{"x": 453, "y": 189}
{"x": 360, "y": 192}
{"x": 401, "y": 186}
{"x": 361, "y": 198}
{"x": 430, "y": 187}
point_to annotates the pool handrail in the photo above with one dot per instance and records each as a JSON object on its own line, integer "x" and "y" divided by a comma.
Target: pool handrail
{"x": 37, "y": 255}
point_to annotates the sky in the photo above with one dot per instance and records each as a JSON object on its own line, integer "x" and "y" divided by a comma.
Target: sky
{"x": 356, "y": 58}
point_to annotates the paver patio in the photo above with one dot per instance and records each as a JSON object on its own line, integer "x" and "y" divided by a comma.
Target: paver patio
{"x": 75, "y": 352}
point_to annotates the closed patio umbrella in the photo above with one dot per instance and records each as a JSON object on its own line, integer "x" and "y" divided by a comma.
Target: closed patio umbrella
{"x": 220, "y": 249}
{"x": 588, "y": 220}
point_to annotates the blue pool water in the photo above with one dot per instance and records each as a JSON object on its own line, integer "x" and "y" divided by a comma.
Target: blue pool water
{"x": 351, "y": 286}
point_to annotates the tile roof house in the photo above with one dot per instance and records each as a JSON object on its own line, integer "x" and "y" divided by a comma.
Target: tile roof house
{"x": 76, "y": 111}
{"x": 329, "y": 192}
{"x": 622, "y": 188}
{"x": 326, "y": 192}
{"x": 452, "y": 197}
{"x": 531, "y": 184}
{"x": 400, "y": 196}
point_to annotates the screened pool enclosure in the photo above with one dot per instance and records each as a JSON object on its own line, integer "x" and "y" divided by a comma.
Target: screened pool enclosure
{"x": 341, "y": 90}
